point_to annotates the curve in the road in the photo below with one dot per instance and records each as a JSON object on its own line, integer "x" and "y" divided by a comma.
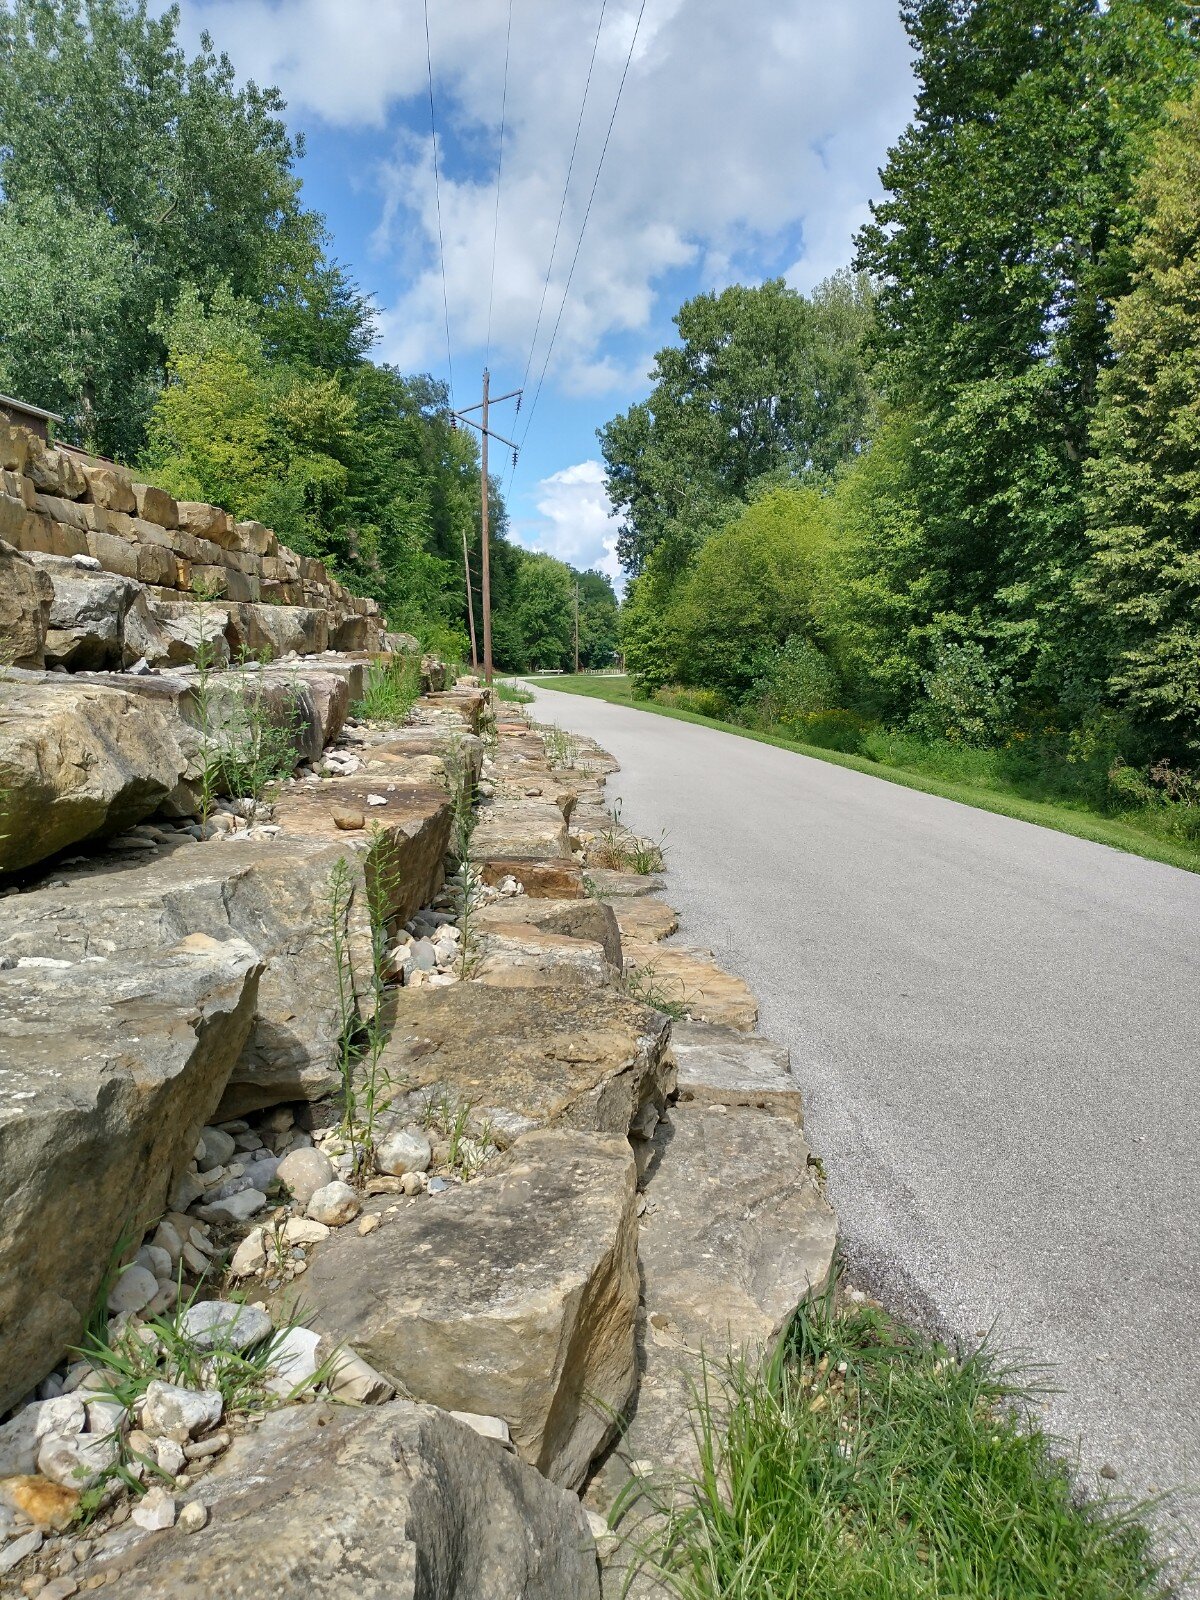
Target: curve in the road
{"x": 997, "y": 1028}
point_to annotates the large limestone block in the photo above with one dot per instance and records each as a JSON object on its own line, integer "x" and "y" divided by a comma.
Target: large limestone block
{"x": 328, "y": 691}
{"x": 514, "y": 1296}
{"x": 56, "y": 471}
{"x": 515, "y": 956}
{"x": 110, "y": 486}
{"x": 277, "y": 896}
{"x": 408, "y": 837}
{"x": 26, "y": 595}
{"x": 277, "y": 630}
{"x": 87, "y": 615}
{"x": 190, "y": 631}
{"x": 108, "y": 1071}
{"x": 722, "y": 1066}
{"x": 398, "y": 1502}
{"x": 578, "y": 919}
{"x": 644, "y": 919}
{"x": 589, "y": 1059}
{"x": 735, "y": 1235}
{"x": 526, "y": 830}
{"x": 692, "y": 979}
{"x": 737, "y": 1230}
{"x": 155, "y": 505}
{"x": 612, "y": 885}
{"x": 78, "y": 760}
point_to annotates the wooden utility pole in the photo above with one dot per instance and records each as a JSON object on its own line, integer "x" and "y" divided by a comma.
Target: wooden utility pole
{"x": 485, "y": 579}
{"x": 485, "y": 576}
{"x": 470, "y": 602}
{"x": 576, "y": 629}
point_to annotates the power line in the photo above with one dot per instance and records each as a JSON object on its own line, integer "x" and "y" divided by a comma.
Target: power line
{"x": 499, "y": 170}
{"x": 563, "y": 204}
{"x": 437, "y": 189}
{"x": 583, "y": 228}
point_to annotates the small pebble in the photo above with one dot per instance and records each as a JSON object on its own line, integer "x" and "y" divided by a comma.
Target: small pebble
{"x": 368, "y": 1224}
{"x": 193, "y": 1516}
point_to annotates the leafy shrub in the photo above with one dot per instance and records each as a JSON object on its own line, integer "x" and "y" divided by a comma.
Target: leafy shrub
{"x": 800, "y": 681}
{"x": 966, "y": 700}
{"x": 844, "y": 731}
{"x": 701, "y": 702}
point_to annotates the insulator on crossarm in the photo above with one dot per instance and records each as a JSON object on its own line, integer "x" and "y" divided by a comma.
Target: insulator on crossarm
{"x": 517, "y": 412}
{"x": 514, "y": 458}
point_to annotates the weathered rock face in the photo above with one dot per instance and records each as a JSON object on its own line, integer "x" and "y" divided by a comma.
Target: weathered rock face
{"x": 274, "y": 895}
{"x": 645, "y": 920}
{"x": 512, "y": 956}
{"x": 78, "y": 760}
{"x": 87, "y": 616}
{"x": 737, "y": 1230}
{"x": 528, "y": 840}
{"x": 26, "y": 595}
{"x": 409, "y": 835}
{"x": 108, "y": 1071}
{"x": 514, "y": 1296}
{"x": 588, "y": 1059}
{"x": 723, "y": 1066}
{"x": 692, "y": 979}
{"x": 610, "y": 885}
{"x": 577, "y": 919}
{"x": 399, "y": 1502}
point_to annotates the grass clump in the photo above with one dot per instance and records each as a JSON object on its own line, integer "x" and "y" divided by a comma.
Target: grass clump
{"x": 391, "y": 690}
{"x": 643, "y": 984}
{"x": 866, "y": 1462}
{"x": 512, "y": 693}
{"x": 622, "y": 851}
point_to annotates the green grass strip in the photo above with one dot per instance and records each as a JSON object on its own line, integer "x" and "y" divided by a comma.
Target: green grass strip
{"x": 1080, "y": 823}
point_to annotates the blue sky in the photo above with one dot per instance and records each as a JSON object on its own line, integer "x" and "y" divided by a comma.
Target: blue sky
{"x": 746, "y": 145}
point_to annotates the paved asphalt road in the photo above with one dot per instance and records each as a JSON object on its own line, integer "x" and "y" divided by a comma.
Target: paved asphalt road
{"x": 997, "y": 1030}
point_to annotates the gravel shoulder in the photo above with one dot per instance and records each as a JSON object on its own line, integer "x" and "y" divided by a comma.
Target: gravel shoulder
{"x": 996, "y": 1028}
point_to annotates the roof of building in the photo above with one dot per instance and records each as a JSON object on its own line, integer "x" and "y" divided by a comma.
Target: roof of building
{"x": 8, "y": 403}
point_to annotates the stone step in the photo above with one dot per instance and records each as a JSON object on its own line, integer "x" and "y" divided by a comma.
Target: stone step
{"x": 512, "y": 955}
{"x": 736, "y": 1233}
{"x": 612, "y": 886}
{"x": 723, "y": 1066}
{"x": 323, "y": 1502}
{"x": 578, "y": 919}
{"x": 275, "y": 894}
{"x": 682, "y": 976}
{"x": 589, "y": 1059}
{"x": 514, "y": 1295}
{"x": 109, "y": 1067}
{"x": 643, "y": 919}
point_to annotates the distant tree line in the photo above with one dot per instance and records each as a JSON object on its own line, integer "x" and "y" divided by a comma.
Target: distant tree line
{"x": 955, "y": 492}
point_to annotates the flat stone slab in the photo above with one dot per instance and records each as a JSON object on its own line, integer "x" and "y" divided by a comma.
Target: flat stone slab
{"x": 524, "y": 829}
{"x": 724, "y": 1066}
{"x": 589, "y": 1059}
{"x": 274, "y": 894}
{"x": 515, "y": 956}
{"x": 109, "y": 1068}
{"x": 78, "y": 760}
{"x": 692, "y": 979}
{"x": 513, "y": 1296}
{"x": 609, "y": 885}
{"x": 644, "y": 919}
{"x": 578, "y": 919}
{"x": 736, "y": 1233}
{"x": 401, "y": 1501}
{"x": 737, "y": 1230}
{"x": 408, "y": 837}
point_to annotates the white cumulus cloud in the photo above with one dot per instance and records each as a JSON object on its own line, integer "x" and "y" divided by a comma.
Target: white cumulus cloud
{"x": 747, "y": 141}
{"x": 575, "y": 521}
